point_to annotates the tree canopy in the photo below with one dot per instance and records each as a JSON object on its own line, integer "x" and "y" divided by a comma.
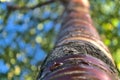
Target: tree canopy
{"x": 28, "y": 29}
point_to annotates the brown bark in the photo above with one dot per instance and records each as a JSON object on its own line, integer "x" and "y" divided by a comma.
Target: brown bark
{"x": 79, "y": 54}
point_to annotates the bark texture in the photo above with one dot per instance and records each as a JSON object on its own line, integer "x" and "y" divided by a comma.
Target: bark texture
{"x": 79, "y": 54}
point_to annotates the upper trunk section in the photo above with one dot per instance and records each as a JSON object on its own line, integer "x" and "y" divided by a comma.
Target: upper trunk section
{"x": 77, "y": 25}
{"x": 79, "y": 54}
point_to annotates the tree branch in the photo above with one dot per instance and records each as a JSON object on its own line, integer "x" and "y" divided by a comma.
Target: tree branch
{"x": 15, "y": 7}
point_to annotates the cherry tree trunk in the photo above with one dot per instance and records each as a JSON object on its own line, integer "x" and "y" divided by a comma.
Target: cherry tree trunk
{"x": 79, "y": 53}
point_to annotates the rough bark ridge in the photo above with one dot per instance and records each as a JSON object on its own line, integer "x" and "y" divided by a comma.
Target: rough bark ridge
{"x": 79, "y": 54}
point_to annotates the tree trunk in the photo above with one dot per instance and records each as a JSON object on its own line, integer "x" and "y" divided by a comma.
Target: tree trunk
{"x": 79, "y": 54}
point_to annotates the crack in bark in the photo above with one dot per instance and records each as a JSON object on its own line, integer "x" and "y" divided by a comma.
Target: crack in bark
{"x": 80, "y": 48}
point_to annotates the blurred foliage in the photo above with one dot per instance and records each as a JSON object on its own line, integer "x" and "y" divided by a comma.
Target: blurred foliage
{"x": 27, "y": 35}
{"x": 106, "y": 16}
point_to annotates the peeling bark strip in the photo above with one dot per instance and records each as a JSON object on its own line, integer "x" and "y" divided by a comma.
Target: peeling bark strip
{"x": 79, "y": 54}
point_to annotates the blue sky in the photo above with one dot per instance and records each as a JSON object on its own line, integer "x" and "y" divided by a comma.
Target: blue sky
{"x": 9, "y": 37}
